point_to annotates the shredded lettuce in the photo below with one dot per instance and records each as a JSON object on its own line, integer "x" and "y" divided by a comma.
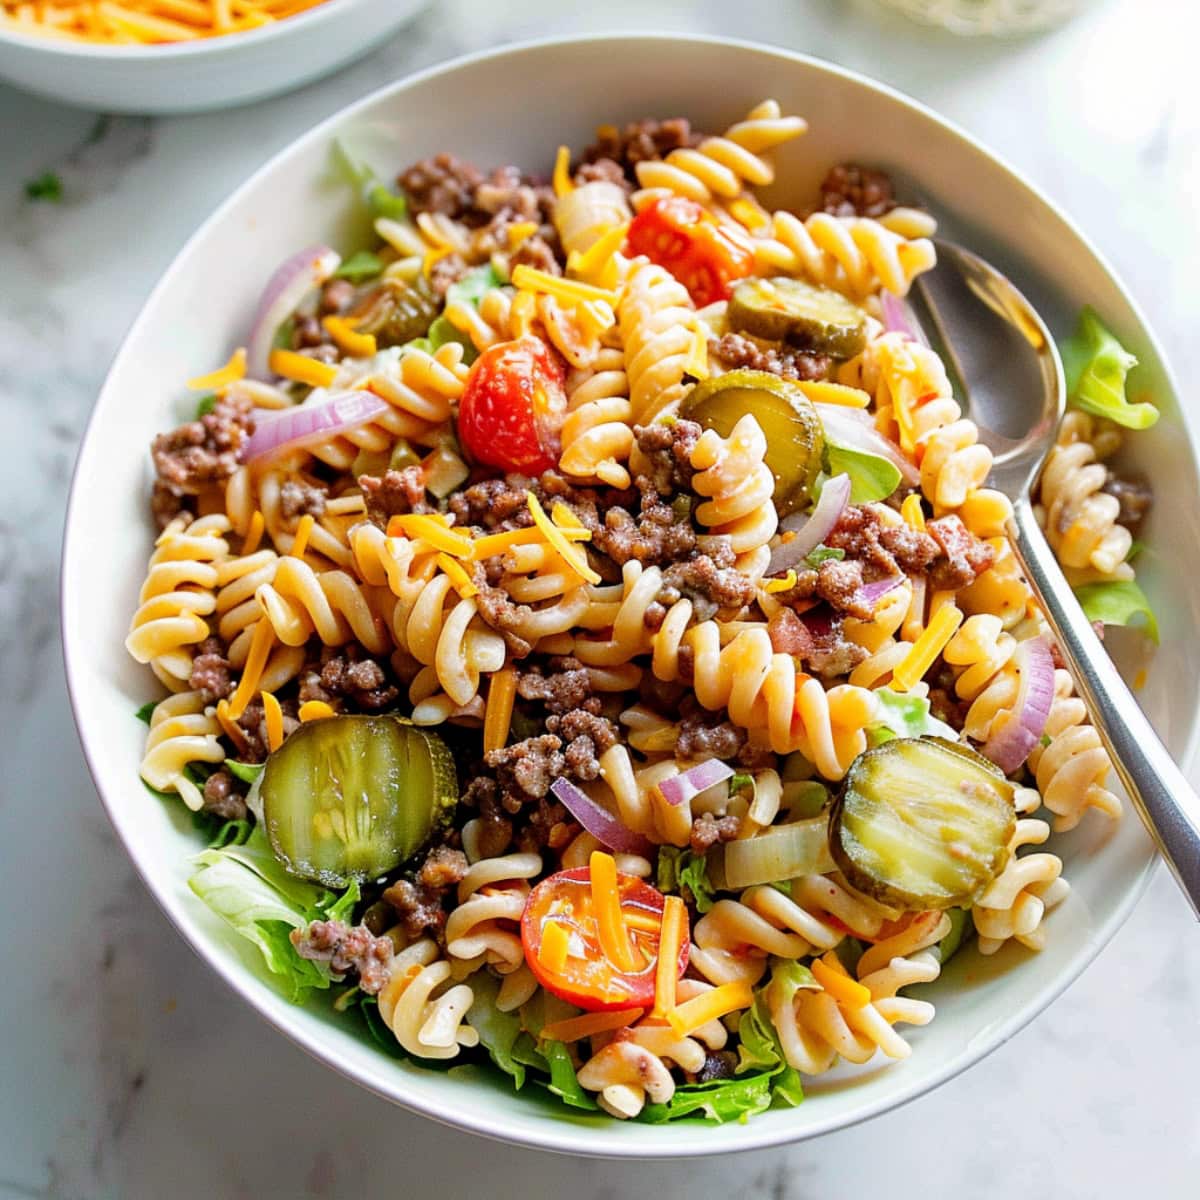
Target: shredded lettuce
{"x": 906, "y": 716}
{"x": 822, "y": 553}
{"x": 678, "y": 869}
{"x": 1118, "y": 603}
{"x": 960, "y": 926}
{"x": 498, "y": 1031}
{"x": 247, "y": 887}
{"x": 379, "y": 199}
{"x": 872, "y": 477}
{"x": 146, "y": 711}
{"x": 563, "y": 1081}
{"x": 206, "y": 404}
{"x": 470, "y": 289}
{"x": 363, "y": 264}
{"x": 246, "y": 772}
{"x": 1096, "y": 366}
{"x": 721, "y": 1101}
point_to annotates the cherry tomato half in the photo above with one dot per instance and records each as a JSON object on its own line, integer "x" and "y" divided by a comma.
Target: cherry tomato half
{"x": 588, "y": 979}
{"x": 513, "y": 407}
{"x": 681, "y": 236}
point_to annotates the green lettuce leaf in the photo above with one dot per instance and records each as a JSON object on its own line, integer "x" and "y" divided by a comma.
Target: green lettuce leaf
{"x": 960, "y": 926}
{"x": 1118, "y": 603}
{"x": 363, "y": 264}
{"x": 146, "y": 711}
{"x": 470, "y": 289}
{"x": 379, "y": 199}
{"x": 1096, "y": 365}
{"x": 563, "y": 1082}
{"x": 678, "y": 869}
{"x": 231, "y": 833}
{"x": 246, "y": 886}
{"x": 907, "y": 716}
{"x": 823, "y": 553}
{"x": 246, "y": 772}
{"x": 721, "y": 1101}
{"x": 498, "y": 1031}
{"x": 872, "y": 477}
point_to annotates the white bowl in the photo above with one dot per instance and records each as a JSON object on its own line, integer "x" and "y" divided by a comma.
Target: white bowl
{"x": 205, "y": 74}
{"x": 493, "y": 108}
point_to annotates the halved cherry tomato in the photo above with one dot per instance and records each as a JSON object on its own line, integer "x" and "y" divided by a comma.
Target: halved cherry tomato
{"x": 681, "y": 236}
{"x": 588, "y": 979}
{"x": 512, "y": 410}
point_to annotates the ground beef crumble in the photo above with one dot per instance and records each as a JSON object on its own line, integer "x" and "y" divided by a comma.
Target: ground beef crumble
{"x": 394, "y": 493}
{"x": 853, "y": 191}
{"x": 966, "y": 557}
{"x": 704, "y": 734}
{"x": 211, "y": 671}
{"x": 820, "y": 646}
{"x": 347, "y": 948}
{"x": 708, "y": 830}
{"x": 1135, "y": 496}
{"x": 737, "y": 351}
{"x": 660, "y": 534}
{"x": 419, "y": 904}
{"x": 222, "y": 797}
{"x": 298, "y": 499}
{"x": 668, "y": 447}
{"x": 641, "y": 141}
{"x": 348, "y": 672}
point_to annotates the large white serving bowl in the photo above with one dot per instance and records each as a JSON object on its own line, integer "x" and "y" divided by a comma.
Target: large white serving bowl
{"x": 205, "y": 74}
{"x": 517, "y": 105}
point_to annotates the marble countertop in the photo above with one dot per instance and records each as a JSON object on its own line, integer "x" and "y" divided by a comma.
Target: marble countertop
{"x": 128, "y": 1070}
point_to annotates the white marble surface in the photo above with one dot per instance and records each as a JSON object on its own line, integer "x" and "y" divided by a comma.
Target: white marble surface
{"x": 127, "y": 1070}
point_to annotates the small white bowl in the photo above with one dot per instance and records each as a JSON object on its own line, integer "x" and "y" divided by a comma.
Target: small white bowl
{"x": 205, "y": 74}
{"x": 497, "y": 108}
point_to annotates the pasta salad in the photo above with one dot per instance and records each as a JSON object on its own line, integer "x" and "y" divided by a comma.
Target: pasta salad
{"x": 590, "y": 642}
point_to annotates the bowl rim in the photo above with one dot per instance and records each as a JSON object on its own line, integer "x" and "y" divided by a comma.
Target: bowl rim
{"x": 164, "y": 51}
{"x": 567, "y": 1137}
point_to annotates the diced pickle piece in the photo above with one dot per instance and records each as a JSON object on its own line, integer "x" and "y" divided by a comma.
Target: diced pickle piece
{"x": 795, "y": 436}
{"x": 397, "y": 312}
{"x": 922, "y": 823}
{"x": 782, "y": 309}
{"x": 354, "y": 797}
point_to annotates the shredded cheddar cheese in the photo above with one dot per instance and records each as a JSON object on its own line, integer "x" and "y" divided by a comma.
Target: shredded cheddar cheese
{"x": 357, "y": 345}
{"x": 222, "y": 377}
{"x": 253, "y": 533}
{"x": 273, "y": 716}
{"x": 519, "y": 231}
{"x": 687, "y": 1017}
{"x": 831, "y": 975}
{"x": 913, "y": 513}
{"x": 697, "y": 359}
{"x": 823, "y": 392}
{"x": 431, "y": 529}
{"x": 570, "y": 554}
{"x": 926, "y": 648}
{"x": 554, "y": 946}
{"x": 670, "y": 942}
{"x": 314, "y": 710}
{"x": 587, "y": 1024}
{"x": 781, "y": 585}
{"x": 300, "y": 368}
{"x": 232, "y": 729}
{"x": 496, "y": 543}
{"x": 304, "y": 528}
{"x": 562, "y": 172}
{"x": 598, "y": 264}
{"x": 497, "y": 716}
{"x": 606, "y": 904}
{"x": 256, "y": 660}
{"x": 458, "y": 576}
{"x": 522, "y": 313}
{"x": 569, "y": 291}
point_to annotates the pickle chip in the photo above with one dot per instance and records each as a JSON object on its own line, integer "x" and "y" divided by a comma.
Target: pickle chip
{"x": 795, "y": 436}
{"x": 355, "y": 797}
{"x": 782, "y": 309}
{"x": 922, "y": 823}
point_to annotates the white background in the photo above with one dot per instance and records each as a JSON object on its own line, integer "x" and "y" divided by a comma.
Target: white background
{"x": 127, "y": 1070}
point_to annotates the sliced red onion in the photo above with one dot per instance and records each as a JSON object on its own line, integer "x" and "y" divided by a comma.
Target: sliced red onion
{"x": 870, "y": 593}
{"x": 835, "y": 495}
{"x": 687, "y": 785}
{"x": 293, "y": 279}
{"x": 1014, "y": 734}
{"x": 854, "y": 429}
{"x": 598, "y": 821}
{"x": 896, "y": 318}
{"x": 306, "y": 424}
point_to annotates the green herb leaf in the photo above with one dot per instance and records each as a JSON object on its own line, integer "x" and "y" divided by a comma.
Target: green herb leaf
{"x": 205, "y": 405}
{"x": 246, "y": 772}
{"x": 381, "y": 201}
{"x": 363, "y": 264}
{"x": 824, "y": 553}
{"x": 46, "y": 186}
{"x": 872, "y": 477}
{"x": 1118, "y": 603}
{"x": 1096, "y": 366}
{"x": 144, "y": 713}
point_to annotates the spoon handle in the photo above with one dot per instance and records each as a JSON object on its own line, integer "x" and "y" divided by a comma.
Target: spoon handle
{"x": 1165, "y": 800}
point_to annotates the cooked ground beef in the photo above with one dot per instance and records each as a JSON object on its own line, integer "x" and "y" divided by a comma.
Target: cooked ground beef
{"x": 211, "y": 671}
{"x": 446, "y": 272}
{"x": 563, "y": 687}
{"x": 659, "y": 535}
{"x": 297, "y": 499}
{"x": 718, "y": 1064}
{"x": 787, "y": 362}
{"x": 641, "y": 141}
{"x": 602, "y": 170}
{"x": 443, "y": 867}
{"x": 1135, "y": 496}
{"x": 347, "y": 948}
{"x": 853, "y": 191}
{"x": 493, "y": 504}
{"x": 839, "y": 581}
{"x": 966, "y": 556}
{"x": 704, "y": 734}
{"x": 348, "y": 672}
{"x": 222, "y": 798}
{"x": 526, "y": 769}
{"x": 708, "y": 830}
{"x": 198, "y": 454}
{"x": 336, "y": 296}
{"x": 668, "y": 446}
{"x": 394, "y": 493}
{"x": 499, "y": 611}
{"x": 495, "y": 828}
{"x": 253, "y": 725}
{"x": 442, "y": 184}
{"x": 548, "y": 826}
{"x": 819, "y": 644}
{"x": 882, "y": 549}
{"x": 710, "y": 581}
{"x": 585, "y": 737}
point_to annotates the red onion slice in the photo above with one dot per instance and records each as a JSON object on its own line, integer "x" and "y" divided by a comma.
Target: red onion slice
{"x": 1014, "y": 734}
{"x": 307, "y": 424}
{"x": 872, "y": 592}
{"x": 687, "y": 785}
{"x": 835, "y": 495}
{"x": 854, "y": 429}
{"x": 293, "y": 279}
{"x": 898, "y": 317}
{"x": 598, "y": 821}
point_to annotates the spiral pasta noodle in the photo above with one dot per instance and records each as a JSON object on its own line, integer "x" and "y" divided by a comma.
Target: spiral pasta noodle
{"x": 182, "y": 731}
{"x": 597, "y": 435}
{"x": 415, "y": 1004}
{"x": 485, "y": 925}
{"x": 1017, "y": 900}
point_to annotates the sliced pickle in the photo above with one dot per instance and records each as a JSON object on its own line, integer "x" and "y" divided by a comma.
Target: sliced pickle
{"x": 782, "y": 309}
{"x": 354, "y": 797}
{"x": 922, "y": 823}
{"x": 795, "y": 437}
{"x": 397, "y": 312}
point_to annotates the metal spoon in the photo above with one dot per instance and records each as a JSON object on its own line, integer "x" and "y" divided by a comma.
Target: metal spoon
{"x": 1004, "y": 365}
